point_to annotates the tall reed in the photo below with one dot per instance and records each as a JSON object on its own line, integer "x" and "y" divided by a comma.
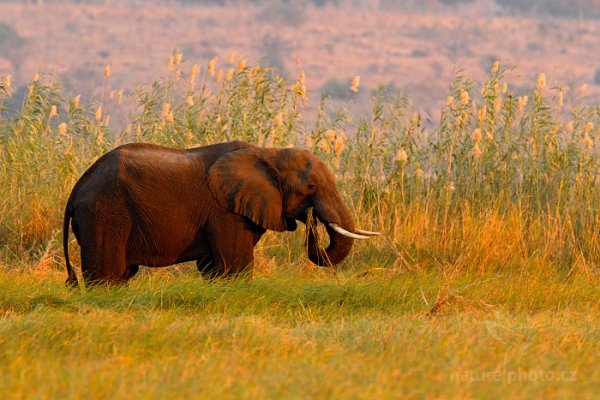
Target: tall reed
{"x": 506, "y": 178}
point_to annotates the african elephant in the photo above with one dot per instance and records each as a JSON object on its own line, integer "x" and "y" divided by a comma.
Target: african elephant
{"x": 143, "y": 204}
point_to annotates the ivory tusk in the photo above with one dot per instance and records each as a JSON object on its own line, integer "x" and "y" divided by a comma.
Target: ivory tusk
{"x": 344, "y": 232}
{"x": 366, "y": 233}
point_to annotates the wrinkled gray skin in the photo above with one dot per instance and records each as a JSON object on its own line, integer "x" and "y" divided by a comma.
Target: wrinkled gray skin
{"x": 142, "y": 204}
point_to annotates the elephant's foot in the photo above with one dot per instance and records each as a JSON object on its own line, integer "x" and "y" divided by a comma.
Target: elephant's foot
{"x": 208, "y": 268}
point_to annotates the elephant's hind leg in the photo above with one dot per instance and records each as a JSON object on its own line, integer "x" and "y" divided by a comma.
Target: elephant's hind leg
{"x": 104, "y": 258}
{"x": 109, "y": 266}
{"x": 84, "y": 227}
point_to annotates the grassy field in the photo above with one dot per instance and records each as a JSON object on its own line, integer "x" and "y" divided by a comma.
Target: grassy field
{"x": 484, "y": 284}
{"x": 293, "y": 335}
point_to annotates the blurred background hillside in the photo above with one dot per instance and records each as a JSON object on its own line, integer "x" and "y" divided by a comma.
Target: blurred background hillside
{"x": 413, "y": 46}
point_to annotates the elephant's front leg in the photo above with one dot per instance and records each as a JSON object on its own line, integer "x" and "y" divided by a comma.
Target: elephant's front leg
{"x": 232, "y": 245}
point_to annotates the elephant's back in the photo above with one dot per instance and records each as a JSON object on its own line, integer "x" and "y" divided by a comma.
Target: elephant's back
{"x": 100, "y": 176}
{"x": 150, "y": 156}
{"x": 156, "y": 167}
{"x": 211, "y": 153}
{"x": 150, "y": 168}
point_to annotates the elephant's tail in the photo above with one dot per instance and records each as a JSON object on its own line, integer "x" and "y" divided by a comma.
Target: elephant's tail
{"x": 71, "y": 276}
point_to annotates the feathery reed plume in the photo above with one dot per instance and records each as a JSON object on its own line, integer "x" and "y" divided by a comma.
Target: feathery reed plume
{"x": 166, "y": 109}
{"x": 521, "y": 102}
{"x": 476, "y": 136}
{"x": 211, "y": 66}
{"x": 401, "y": 156}
{"x": 355, "y": 84}
{"x": 219, "y": 75}
{"x": 53, "y": 112}
{"x": 242, "y": 65}
{"x": 339, "y": 144}
{"x": 477, "y": 151}
{"x": 330, "y": 135}
{"x": 278, "y": 119}
{"x": 464, "y": 97}
{"x": 569, "y": 127}
{"x": 231, "y": 58}
{"x": 300, "y": 88}
{"x": 560, "y": 98}
{"x": 495, "y": 67}
{"x": 497, "y": 104}
{"x": 541, "y": 80}
{"x": 193, "y": 76}
{"x": 75, "y": 101}
{"x": 482, "y": 113}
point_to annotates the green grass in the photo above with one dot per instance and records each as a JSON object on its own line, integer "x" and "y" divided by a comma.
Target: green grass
{"x": 293, "y": 335}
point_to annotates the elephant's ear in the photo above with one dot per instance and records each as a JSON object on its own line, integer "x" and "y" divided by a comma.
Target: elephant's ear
{"x": 244, "y": 182}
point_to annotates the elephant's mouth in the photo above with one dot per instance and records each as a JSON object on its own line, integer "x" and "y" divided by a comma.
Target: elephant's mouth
{"x": 298, "y": 214}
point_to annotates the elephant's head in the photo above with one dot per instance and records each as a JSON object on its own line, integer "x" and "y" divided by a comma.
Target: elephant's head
{"x": 275, "y": 187}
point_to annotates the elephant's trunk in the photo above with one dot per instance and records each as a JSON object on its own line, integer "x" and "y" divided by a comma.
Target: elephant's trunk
{"x": 330, "y": 213}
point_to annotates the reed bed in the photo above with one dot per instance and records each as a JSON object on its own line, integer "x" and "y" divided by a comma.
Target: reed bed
{"x": 503, "y": 177}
